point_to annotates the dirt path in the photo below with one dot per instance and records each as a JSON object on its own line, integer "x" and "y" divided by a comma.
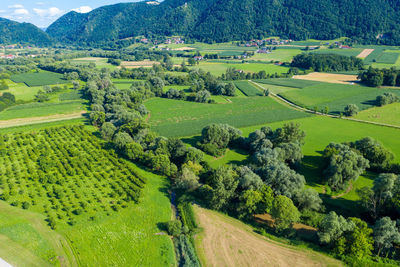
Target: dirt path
{"x": 294, "y": 106}
{"x": 36, "y": 120}
{"x": 348, "y": 189}
{"x": 228, "y": 242}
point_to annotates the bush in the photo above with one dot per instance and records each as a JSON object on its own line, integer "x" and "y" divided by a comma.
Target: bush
{"x": 174, "y": 227}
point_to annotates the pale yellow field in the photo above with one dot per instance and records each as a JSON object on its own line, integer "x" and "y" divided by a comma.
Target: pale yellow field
{"x": 138, "y": 64}
{"x": 328, "y": 77}
{"x": 228, "y": 242}
{"x": 365, "y": 53}
{"x": 184, "y": 48}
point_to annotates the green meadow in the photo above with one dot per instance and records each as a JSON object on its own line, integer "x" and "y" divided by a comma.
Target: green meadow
{"x": 39, "y": 78}
{"x": 182, "y": 118}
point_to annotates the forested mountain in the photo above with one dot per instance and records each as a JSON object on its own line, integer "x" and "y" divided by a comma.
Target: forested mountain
{"x": 225, "y": 20}
{"x": 12, "y": 32}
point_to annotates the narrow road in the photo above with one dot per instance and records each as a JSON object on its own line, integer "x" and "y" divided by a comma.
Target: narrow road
{"x": 43, "y": 119}
{"x": 297, "y": 107}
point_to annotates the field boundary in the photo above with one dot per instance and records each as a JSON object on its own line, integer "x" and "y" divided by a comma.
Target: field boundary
{"x": 295, "y": 106}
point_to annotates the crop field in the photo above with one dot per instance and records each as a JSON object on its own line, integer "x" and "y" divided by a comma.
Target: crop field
{"x": 287, "y": 82}
{"x": 306, "y": 43}
{"x": 328, "y": 77}
{"x": 365, "y": 52}
{"x": 138, "y": 64}
{"x": 226, "y": 241}
{"x": 374, "y": 55}
{"x": 388, "y": 58}
{"x": 220, "y": 68}
{"x": 41, "y": 109}
{"x": 280, "y": 54}
{"x": 39, "y": 78}
{"x": 63, "y": 174}
{"x": 248, "y": 89}
{"x": 352, "y": 52}
{"x": 335, "y": 96}
{"x": 389, "y": 114}
{"x": 182, "y": 118}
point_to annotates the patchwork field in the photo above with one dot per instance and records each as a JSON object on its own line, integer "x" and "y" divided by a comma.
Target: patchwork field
{"x": 182, "y": 118}
{"x": 328, "y": 77}
{"x": 39, "y": 78}
{"x": 21, "y": 91}
{"x": 248, "y": 89}
{"x": 228, "y": 242}
{"x": 99, "y": 61}
{"x": 280, "y": 54}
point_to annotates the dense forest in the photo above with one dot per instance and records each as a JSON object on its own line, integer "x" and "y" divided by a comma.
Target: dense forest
{"x": 327, "y": 62}
{"x": 226, "y": 20}
{"x": 12, "y": 32}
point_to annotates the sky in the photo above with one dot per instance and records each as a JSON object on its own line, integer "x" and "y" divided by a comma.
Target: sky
{"x": 43, "y": 12}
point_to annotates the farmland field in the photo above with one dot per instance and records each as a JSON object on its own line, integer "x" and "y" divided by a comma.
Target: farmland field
{"x": 228, "y": 242}
{"x": 99, "y": 61}
{"x": 335, "y": 96}
{"x": 95, "y": 197}
{"x": 388, "y": 114}
{"x": 41, "y": 109}
{"x": 220, "y": 68}
{"x": 280, "y": 54}
{"x": 182, "y": 118}
{"x": 39, "y": 79}
{"x": 21, "y": 91}
{"x": 289, "y": 82}
{"x": 328, "y": 77}
{"x": 353, "y": 52}
{"x": 248, "y": 89}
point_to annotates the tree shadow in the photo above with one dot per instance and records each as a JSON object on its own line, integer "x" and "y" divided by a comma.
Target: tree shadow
{"x": 192, "y": 140}
{"x": 311, "y": 169}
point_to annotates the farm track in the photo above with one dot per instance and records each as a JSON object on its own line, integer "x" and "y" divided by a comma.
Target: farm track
{"x": 297, "y": 107}
{"x": 43, "y": 119}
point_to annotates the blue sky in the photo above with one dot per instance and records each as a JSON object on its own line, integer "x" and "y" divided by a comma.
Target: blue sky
{"x": 43, "y": 12}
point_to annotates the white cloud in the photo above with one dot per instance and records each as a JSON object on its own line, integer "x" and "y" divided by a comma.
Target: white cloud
{"x": 17, "y": 6}
{"x": 50, "y": 12}
{"x": 20, "y": 11}
{"x": 40, "y": 3}
{"x": 83, "y": 9}
{"x": 2, "y": 11}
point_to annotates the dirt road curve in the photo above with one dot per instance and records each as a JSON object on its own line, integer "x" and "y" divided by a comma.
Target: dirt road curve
{"x": 228, "y": 242}
{"x": 36, "y": 120}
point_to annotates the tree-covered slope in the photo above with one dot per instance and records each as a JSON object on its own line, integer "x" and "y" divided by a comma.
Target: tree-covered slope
{"x": 225, "y": 20}
{"x": 12, "y": 32}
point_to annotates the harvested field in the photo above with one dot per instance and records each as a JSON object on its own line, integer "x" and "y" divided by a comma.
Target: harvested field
{"x": 365, "y": 53}
{"x": 138, "y": 64}
{"x": 229, "y": 242}
{"x": 328, "y": 77}
{"x": 184, "y": 48}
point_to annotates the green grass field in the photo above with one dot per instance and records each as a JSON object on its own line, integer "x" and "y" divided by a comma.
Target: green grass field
{"x": 220, "y": 68}
{"x": 335, "y": 96}
{"x": 182, "y": 118}
{"x": 41, "y": 109}
{"x": 320, "y": 131}
{"x": 353, "y": 52}
{"x": 388, "y": 58}
{"x": 287, "y": 82}
{"x": 248, "y": 89}
{"x": 280, "y": 54}
{"x": 21, "y": 91}
{"x": 389, "y": 114}
{"x": 100, "y": 62}
{"x": 39, "y": 79}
